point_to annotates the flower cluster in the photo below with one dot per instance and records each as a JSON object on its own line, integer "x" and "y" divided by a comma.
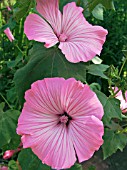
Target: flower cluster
{"x": 61, "y": 119}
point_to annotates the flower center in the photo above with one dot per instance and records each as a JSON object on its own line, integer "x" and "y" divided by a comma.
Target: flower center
{"x": 65, "y": 118}
{"x": 62, "y": 37}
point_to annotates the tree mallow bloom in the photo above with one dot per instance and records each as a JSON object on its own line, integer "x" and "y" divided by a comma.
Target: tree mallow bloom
{"x": 79, "y": 40}
{"x": 8, "y": 33}
{"x": 61, "y": 119}
{"x": 123, "y": 102}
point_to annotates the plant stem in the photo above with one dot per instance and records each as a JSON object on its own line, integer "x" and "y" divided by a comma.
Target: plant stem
{"x": 122, "y": 66}
{"x": 78, "y": 3}
{"x": 6, "y": 101}
{"x": 19, "y": 49}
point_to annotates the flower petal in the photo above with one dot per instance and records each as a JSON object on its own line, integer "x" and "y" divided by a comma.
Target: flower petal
{"x": 57, "y": 143}
{"x": 86, "y": 136}
{"x": 49, "y": 9}
{"x": 78, "y": 100}
{"x": 54, "y": 147}
{"x": 42, "y": 106}
{"x": 84, "y": 40}
{"x": 38, "y": 29}
{"x": 123, "y": 102}
{"x": 8, "y": 33}
{"x": 72, "y": 17}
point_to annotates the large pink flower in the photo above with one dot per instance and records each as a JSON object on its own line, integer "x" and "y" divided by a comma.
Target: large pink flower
{"x": 8, "y": 33}
{"x": 123, "y": 102}
{"x": 61, "y": 119}
{"x": 79, "y": 40}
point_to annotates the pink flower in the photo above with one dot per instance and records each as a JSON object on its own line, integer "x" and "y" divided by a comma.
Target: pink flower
{"x": 8, "y": 8}
{"x": 123, "y": 102}
{"x": 79, "y": 40}
{"x": 3, "y": 168}
{"x": 61, "y": 119}
{"x": 8, "y": 33}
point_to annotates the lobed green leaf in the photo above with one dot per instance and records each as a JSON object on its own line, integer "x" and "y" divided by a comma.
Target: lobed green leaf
{"x": 46, "y": 63}
{"x": 112, "y": 142}
{"x": 8, "y": 124}
{"x": 29, "y": 161}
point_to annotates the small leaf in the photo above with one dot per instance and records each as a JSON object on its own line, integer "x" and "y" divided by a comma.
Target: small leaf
{"x": 98, "y": 70}
{"x": 112, "y": 110}
{"x": 22, "y": 8}
{"x": 98, "y": 12}
{"x": 108, "y": 4}
{"x": 8, "y": 124}
{"x": 95, "y": 86}
{"x": 102, "y": 97}
{"x": 29, "y": 161}
{"x": 12, "y": 165}
{"x": 76, "y": 167}
{"x": 112, "y": 142}
{"x": 46, "y": 63}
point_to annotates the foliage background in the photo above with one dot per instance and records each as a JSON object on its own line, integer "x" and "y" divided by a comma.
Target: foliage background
{"x": 20, "y": 55}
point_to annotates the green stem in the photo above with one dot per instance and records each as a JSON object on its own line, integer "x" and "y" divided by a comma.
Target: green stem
{"x": 116, "y": 92}
{"x": 122, "y": 66}
{"x": 110, "y": 88}
{"x": 6, "y": 101}
{"x": 21, "y": 32}
{"x": 78, "y": 3}
{"x": 19, "y": 49}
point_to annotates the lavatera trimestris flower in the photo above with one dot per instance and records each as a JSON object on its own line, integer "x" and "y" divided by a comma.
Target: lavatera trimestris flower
{"x": 78, "y": 40}
{"x": 61, "y": 121}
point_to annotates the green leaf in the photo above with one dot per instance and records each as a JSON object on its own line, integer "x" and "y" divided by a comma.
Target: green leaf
{"x": 13, "y": 63}
{"x": 76, "y": 167}
{"x": 108, "y": 4}
{"x": 92, "y": 167}
{"x": 11, "y": 95}
{"x": 13, "y": 143}
{"x": 111, "y": 110}
{"x": 95, "y": 86}
{"x": 63, "y": 3}
{"x": 22, "y": 8}
{"x": 8, "y": 124}
{"x": 98, "y": 12}
{"x": 46, "y": 63}
{"x": 12, "y": 165}
{"x": 29, "y": 161}
{"x": 112, "y": 142}
{"x": 111, "y": 107}
{"x": 98, "y": 70}
{"x": 101, "y": 96}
